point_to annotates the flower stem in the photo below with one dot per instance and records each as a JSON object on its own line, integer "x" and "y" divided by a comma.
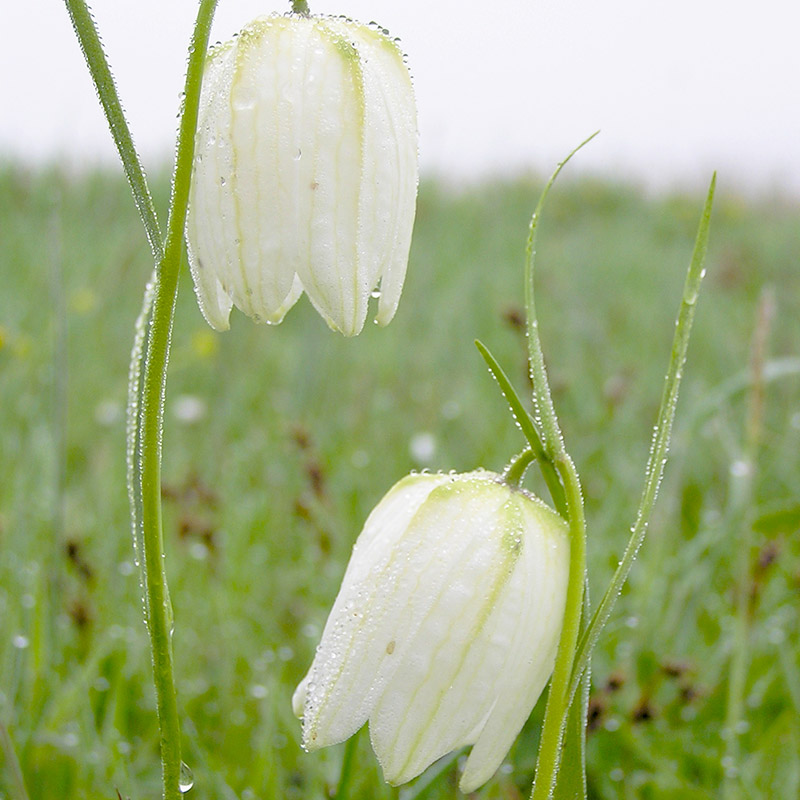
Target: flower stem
{"x": 558, "y": 698}
{"x": 300, "y": 7}
{"x": 148, "y": 387}
{"x": 515, "y": 471}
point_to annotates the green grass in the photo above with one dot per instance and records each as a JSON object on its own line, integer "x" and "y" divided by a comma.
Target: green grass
{"x": 304, "y": 431}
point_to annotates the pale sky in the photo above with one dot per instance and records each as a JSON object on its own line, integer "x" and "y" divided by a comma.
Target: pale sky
{"x": 677, "y": 88}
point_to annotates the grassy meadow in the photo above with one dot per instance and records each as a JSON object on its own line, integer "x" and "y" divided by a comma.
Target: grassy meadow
{"x": 279, "y": 441}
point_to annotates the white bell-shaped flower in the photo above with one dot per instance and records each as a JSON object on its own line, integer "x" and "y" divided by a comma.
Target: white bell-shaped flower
{"x": 446, "y": 626}
{"x": 305, "y": 173}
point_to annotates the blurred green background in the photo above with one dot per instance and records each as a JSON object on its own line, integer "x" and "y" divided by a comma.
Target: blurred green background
{"x": 278, "y": 442}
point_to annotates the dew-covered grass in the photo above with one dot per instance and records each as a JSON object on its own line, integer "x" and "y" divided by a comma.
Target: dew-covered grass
{"x": 279, "y": 440}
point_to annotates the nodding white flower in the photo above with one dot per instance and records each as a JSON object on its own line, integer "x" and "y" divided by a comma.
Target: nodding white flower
{"x": 445, "y": 629}
{"x": 305, "y": 172}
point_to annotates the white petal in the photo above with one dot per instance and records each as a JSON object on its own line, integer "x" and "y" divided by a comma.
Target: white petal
{"x": 391, "y": 168}
{"x": 328, "y": 133}
{"x": 388, "y": 164}
{"x": 305, "y": 173}
{"x": 448, "y": 682}
{"x": 352, "y": 664}
{"x": 445, "y": 630}
{"x": 204, "y": 237}
{"x": 215, "y": 192}
{"x": 537, "y": 591}
{"x": 266, "y": 63}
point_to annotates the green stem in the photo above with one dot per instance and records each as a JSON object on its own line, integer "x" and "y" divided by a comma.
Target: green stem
{"x": 660, "y": 445}
{"x": 152, "y": 367}
{"x": 90, "y": 43}
{"x": 542, "y": 397}
{"x": 300, "y": 7}
{"x": 558, "y": 699}
{"x": 515, "y": 471}
{"x": 350, "y": 748}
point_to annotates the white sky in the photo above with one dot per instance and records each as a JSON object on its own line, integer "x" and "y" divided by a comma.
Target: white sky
{"x": 678, "y": 87}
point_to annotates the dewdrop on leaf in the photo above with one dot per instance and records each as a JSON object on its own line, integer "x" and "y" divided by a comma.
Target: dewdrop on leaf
{"x": 446, "y": 626}
{"x": 305, "y": 173}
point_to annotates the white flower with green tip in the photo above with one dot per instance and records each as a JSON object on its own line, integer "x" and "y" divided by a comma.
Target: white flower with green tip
{"x": 305, "y": 173}
{"x": 446, "y": 626}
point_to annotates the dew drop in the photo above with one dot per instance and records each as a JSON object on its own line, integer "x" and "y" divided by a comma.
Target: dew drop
{"x": 740, "y": 468}
{"x": 186, "y": 779}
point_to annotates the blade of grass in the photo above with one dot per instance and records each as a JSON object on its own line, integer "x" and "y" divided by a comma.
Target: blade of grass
{"x": 432, "y": 778}
{"x": 348, "y": 759}
{"x": 16, "y": 781}
{"x": 528, "y": 428}
{"x": 660, "y": 445}
{"x": 740, "y": 514}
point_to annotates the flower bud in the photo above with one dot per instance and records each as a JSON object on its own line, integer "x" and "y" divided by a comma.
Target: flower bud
{"x": 446, "y": 626}
{"x": 305, "y": 172}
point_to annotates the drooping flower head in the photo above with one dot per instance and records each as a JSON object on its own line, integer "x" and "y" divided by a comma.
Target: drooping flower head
{"x": 446, "y": 626}
{"x": 305, "y": 173}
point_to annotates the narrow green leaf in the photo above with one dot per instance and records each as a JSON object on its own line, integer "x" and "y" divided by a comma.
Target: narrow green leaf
{"x": 92, "y": 47}
{"x": 542, "y": 397}
{"x": 660, "y": 444}
{"x": 528, "y": 428}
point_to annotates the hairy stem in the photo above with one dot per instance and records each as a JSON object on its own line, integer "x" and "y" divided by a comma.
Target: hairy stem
{"x": 558, "y": 699}
{"x": 148, "y": 389}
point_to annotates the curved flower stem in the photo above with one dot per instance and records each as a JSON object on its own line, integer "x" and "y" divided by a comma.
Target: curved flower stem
{"x": 558, "y": 698}
{"x": 149, "y": 366}
{"x": 515, "y": 471}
